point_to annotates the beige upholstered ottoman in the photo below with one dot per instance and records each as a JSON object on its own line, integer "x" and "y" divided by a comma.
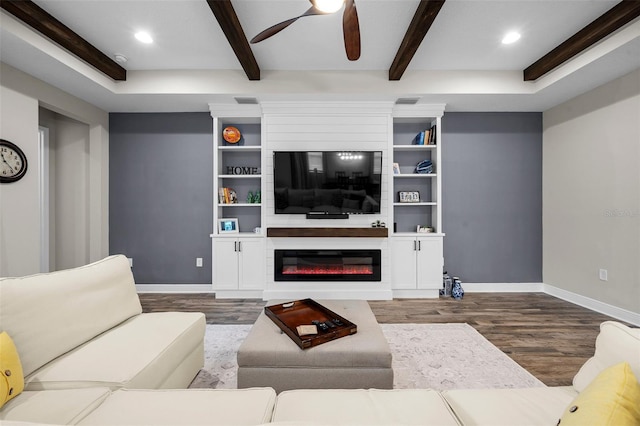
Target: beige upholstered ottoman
{"x": 268, "y": 357}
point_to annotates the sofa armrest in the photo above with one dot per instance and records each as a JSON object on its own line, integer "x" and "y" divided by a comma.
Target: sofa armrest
{"x": 50, "y": 314}
{"x": 616, "y": 343}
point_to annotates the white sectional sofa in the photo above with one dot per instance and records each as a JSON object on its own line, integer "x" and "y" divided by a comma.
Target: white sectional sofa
{"x": 615, "y": 344}
{"x": 90, "y": 357}
{"x": 84, "y": 327}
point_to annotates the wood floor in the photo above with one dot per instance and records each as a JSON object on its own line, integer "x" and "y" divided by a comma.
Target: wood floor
{"x": 549, "y": 337}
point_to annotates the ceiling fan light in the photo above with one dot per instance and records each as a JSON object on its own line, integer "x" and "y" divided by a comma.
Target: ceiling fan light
{"x": 328, "y": 6}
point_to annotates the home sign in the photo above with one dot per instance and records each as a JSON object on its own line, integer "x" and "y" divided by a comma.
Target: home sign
{"x": 242, "y": 170}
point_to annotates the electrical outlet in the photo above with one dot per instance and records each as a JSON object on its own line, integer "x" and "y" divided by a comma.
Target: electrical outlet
{"x": 603, "y": 275}
{"x": 130, "y": 262}
{"x": 199, "y": 262}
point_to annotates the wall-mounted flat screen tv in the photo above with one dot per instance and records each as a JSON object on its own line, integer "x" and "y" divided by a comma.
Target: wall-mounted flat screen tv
{"x": 327, "y": 182}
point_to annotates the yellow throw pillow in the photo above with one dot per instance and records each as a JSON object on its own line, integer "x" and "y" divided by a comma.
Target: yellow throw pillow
{"x": 11, "y": 376}
{"x": 612, "y": 398}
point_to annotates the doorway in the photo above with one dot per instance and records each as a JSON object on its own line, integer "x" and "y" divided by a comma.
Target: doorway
{"x": 64, "y": 191}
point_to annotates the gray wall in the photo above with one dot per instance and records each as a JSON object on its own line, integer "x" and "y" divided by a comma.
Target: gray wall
{"x": 161, "y": 194}
{"x": 492, "y": 196}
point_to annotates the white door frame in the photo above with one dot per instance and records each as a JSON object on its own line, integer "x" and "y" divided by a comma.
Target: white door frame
{"x": 43, "y": 189}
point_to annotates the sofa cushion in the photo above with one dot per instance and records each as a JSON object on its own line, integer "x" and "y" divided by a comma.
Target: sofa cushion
{"x": 50, "y": 314}
{"x": 185, "y": 407}
{"x": 611, "y": 399}
{"x": 11, "y": 376}
{"x": 58, "y": 407}
{"x": 363, "y": 407}
{"x": 143, "y": 352}
{"x": 616, "y": 343}
{"x": 508, "y": 407}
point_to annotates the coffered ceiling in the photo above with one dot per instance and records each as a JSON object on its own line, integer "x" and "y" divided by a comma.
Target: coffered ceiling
{"x": 460, "y": 61}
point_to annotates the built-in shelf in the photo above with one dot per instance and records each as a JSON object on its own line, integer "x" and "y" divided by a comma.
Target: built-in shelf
{"x": 414, "y": 175}
{"x": 328, "y": 232}
{"x": 413, "y": 147}
{"x": 421, "y": 203}
{"x": 255, "y": 148}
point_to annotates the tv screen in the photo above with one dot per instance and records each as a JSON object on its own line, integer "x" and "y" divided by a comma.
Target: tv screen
{"x": 327, "y": 182}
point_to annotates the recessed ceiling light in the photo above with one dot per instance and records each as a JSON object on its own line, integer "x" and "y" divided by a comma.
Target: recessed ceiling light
{"x": 511, "y": 37}
{"x": 143, "y": 37}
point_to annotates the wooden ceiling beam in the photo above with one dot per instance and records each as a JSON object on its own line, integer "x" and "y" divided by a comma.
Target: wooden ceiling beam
{"x": 423, "y": 18}
{"x": 228, "y": 20}
{"x": 41, "y": 21}
{"x": 612, "y": 20}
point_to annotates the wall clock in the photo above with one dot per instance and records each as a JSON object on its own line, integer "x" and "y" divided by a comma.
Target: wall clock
{"x": 13, "y": 162}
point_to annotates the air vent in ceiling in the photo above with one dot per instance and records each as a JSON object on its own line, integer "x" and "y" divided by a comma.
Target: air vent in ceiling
{"x": 246, "y": 101}
{"x": 407, "y": 101}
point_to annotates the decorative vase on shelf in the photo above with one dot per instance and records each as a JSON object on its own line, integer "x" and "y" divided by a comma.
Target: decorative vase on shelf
{"x": 250, "y": 198}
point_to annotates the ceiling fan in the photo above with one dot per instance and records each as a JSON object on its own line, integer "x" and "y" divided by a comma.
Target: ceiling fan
{"x": 350, "y": 25}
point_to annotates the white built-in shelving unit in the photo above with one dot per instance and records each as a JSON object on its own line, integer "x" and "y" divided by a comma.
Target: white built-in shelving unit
{"x": 243, "y": 262}
{"x": 416, "y": 258}
{"x": 238, "y": 258}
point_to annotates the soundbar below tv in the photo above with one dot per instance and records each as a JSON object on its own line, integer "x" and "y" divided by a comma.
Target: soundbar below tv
{"x": 332, "y": 182}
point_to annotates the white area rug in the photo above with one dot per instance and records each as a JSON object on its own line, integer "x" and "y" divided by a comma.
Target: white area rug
{"x": 435, "y": 356}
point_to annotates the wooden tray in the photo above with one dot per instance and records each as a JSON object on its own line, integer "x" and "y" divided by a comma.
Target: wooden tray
{"x": 288, "y": 316}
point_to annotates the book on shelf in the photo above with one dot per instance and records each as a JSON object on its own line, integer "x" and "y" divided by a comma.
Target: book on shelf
{"x": 431, "y": 140}
{"x": 419, "y": 139}
{"x": 227, "y": 196}
{"x": 425, "y": 137}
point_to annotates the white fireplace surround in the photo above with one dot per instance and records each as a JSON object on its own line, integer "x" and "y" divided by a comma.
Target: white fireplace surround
{"x": 327, "y": 127}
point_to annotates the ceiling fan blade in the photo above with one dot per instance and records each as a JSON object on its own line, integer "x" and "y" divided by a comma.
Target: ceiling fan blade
{"x": 351, "y": 30}
{"x": 275, "y": 29}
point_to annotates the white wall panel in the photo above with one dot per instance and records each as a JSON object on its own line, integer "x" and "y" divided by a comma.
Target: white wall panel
{"x": 326, "y": 127}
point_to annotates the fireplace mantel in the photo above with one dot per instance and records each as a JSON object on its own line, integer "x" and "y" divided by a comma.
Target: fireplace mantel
{"x": 328, "y": 232}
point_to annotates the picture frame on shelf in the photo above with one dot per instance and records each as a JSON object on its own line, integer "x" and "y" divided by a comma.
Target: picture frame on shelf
{"x": 228, "y": 226}
{"x": 409, "y": 196}
{"x": 396, "y": 168}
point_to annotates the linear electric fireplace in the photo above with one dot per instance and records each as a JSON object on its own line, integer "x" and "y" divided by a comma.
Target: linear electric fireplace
{"x": 327, "y": 265}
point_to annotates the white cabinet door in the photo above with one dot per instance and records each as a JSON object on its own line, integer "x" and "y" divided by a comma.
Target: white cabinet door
{"x": 251, "y": 265}
{"x": 429, "y": 263}
{"x": 403, "y": 263}
{"x": 225, "y": 264}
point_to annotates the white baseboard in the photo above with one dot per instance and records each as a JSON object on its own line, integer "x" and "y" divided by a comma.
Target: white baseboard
{"x": 594, "y": 305}
{"x": 502, "y": 287}
{"x": 174, "y": 288}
